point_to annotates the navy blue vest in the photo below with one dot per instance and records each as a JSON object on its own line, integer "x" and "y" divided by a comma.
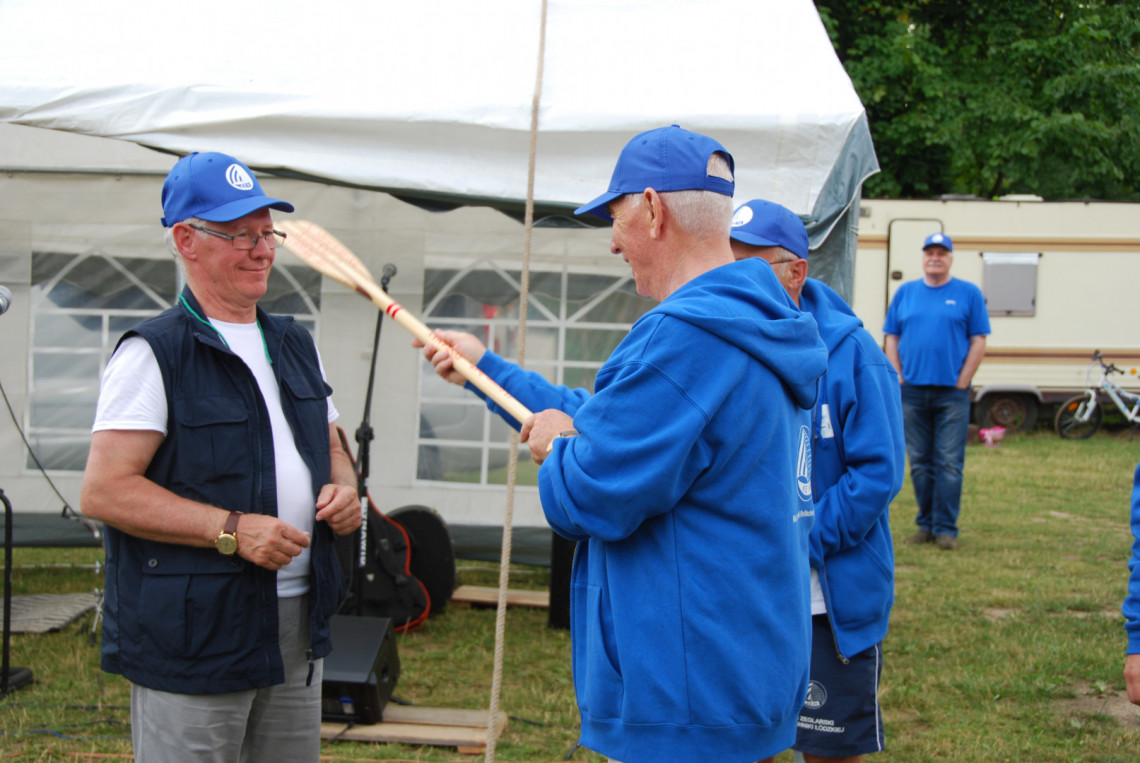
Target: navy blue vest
{"x": 189, "y": 620}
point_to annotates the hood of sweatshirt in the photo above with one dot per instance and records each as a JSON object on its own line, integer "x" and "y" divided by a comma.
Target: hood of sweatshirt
{"x": 744, "y": 303}
{"x": 832, "y": 315}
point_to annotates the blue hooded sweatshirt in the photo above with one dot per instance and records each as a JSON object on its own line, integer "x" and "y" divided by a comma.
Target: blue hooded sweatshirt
{"x": 1131, "y": 608}
{"x": 689, "y": 489}
{"x": 859, "y": 460}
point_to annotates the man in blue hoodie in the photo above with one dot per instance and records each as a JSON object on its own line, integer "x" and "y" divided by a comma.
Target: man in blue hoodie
{"x": 685, "y": 478}
{"x": 857, "y": 469}
{"x": 1131, "y": 608}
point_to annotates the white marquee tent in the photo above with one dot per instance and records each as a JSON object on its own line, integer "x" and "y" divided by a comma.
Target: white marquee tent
{"x": 428, "y": 101}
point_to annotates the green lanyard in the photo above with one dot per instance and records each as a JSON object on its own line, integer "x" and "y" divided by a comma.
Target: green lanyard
{"x": 264, "y": 344}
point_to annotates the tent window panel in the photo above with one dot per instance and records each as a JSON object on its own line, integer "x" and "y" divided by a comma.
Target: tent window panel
{"x": 65, "y": 370}
{"x": 75, "y": 296}
{"x": 63, "y": 330}
{"x": 444, "y": 421}
{"x": 63, "y": 409}
{"x": 526, "y": 474}
{"x": 575, "y": 321}
{"x": 541, "y": 344}
{"x": 93, "y": 282}
{"x": 292, "y": 291}
{"x": 583, "y": 378}
{"x": 593, "y": 345}
{"x": 622, "y": 304}
{"x": 451, "y": 463}
{"x": 58, "y": 452}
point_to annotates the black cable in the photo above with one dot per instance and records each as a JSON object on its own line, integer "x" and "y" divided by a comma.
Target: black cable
{"x": 28, "y": 445}
{"x": 67, "y": 508}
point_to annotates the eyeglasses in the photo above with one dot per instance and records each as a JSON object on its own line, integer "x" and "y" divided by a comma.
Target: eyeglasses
{"x": 781, "y": 262}
{"x": 244, "y": 241}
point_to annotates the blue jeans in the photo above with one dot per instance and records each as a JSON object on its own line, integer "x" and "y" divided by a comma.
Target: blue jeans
{"x": 936, "y": 421}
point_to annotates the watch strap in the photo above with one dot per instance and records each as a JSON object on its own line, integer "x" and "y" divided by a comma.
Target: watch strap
{"x": 232, "y": 523}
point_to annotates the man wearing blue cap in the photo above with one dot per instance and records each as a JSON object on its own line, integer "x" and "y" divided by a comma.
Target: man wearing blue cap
{"x": 216, "y": 467}
{"x": 858, "y": 458}
{"x": 936, "y": 331}
{"x": 685, "y": 477}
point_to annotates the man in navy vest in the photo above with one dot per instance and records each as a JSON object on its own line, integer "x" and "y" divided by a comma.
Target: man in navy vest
{"x": 219, "y": 474}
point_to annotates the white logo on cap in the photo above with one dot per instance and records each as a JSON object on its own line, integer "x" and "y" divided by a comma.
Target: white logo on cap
{"x": 936, "y": 238}
{"x": 239, "y": 178}
{"x": 743, "y": 216}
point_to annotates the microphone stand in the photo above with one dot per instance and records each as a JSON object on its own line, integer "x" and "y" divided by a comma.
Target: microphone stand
{"x": 364, "y": 437}
{"x": 14, "y": 678}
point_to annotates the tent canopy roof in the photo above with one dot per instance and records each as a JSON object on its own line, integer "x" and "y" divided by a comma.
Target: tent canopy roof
{"x": 432, "y": 101}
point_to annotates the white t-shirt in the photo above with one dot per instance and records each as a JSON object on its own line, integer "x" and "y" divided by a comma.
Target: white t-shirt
{"x": 132, "y": 397}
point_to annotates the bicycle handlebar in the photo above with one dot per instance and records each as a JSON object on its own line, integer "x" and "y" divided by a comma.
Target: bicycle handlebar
{"x": 1108, "y": 367}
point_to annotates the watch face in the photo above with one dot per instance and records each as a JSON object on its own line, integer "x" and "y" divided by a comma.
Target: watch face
{"x": 226, "y": 544}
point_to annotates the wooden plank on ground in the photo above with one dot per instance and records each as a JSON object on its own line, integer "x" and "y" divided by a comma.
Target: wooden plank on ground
{"x": 487, "y": 596}
{"x": 465, "y": 730}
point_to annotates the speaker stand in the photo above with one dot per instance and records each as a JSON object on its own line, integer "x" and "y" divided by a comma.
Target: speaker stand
{"x": 10, "y": 678}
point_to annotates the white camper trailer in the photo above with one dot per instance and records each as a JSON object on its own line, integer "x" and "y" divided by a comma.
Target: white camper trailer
{"x": 1057, "y": 277}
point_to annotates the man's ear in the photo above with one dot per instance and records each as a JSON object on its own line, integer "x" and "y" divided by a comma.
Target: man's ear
{"x": 801, "y": 270}
{"x": 654, "y": 210}
{"x": 185, "y": 238}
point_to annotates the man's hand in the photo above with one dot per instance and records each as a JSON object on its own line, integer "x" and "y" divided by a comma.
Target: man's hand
{"x": 540, "y": 429}
{"x": 465, "y": 344}
{"x": 339, "y": 505}
{"x": 268, "y": 542}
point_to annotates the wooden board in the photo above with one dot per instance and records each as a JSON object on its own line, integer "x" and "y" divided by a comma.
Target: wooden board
{"x": 466, "y": 730}
{"x": 486, "y": 596}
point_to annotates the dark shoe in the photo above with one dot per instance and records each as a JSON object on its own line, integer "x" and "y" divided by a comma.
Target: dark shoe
{"x": 947, "y": 542}
{"x": 922, "y": 536}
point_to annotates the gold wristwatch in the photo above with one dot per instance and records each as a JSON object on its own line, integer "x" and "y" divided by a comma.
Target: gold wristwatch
{"x": 227, "y": 542}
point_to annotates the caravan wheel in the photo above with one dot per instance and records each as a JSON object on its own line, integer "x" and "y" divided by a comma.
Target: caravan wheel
{"x": 1006, "y": 409}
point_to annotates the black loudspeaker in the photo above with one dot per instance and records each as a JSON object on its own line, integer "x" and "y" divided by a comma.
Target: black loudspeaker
{"x": 561, "y": 562}
{"x": 361, "y": 671}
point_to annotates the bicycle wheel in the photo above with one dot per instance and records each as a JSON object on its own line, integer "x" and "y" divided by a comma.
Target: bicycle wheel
{"x": 1075, "y": 421}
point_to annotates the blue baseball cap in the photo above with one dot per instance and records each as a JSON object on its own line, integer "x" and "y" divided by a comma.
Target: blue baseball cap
{"x": 766, "y": 223}
{"x": 665, "y": 159}
{"x": 939, "y": 239}
{"x": 214, "y": 187}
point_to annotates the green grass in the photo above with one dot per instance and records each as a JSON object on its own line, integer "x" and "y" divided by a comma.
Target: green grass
{"x": 1009, "y": 649}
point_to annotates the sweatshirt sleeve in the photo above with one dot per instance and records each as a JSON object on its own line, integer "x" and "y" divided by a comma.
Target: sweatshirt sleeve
{"x": 528, "y": 387}
{"x": 629, "y": 463}
{"x": 1131, "y": 608}
{"x": 869, "y": 414}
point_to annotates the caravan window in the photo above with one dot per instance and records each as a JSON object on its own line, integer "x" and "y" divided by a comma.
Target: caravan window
{"x": 574, "y": 321}
{"x": 82, "y": 304}
{"x": 1009, "y": 282}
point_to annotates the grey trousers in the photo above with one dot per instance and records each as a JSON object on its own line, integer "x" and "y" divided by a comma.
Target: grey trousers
{"x": 279, "y": 723}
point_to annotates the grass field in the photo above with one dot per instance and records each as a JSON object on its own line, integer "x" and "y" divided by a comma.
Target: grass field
{"x": 1008, "y": 649}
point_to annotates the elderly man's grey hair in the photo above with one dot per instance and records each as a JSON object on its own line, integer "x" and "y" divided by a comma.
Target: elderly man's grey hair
{"x": 705, "y": 214}
{"x": 168, "y": 236}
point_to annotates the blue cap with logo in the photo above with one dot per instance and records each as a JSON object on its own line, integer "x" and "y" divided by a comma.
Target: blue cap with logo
{"x": 939, "y": 239}
{"x": 214, "y": 187}
{"x": 665, "y": 159}
{"x": 766, "y": 223}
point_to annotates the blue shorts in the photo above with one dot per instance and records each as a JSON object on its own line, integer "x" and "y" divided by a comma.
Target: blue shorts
{"x": 841, "y": 716}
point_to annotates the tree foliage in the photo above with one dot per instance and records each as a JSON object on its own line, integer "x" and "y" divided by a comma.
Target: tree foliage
{"x": 1008, "y": 96}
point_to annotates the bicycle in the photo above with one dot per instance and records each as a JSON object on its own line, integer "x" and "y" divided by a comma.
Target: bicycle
{"x": 1080, "y": 417}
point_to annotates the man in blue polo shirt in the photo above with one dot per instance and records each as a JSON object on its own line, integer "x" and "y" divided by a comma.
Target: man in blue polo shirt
{"x": 936, "y": 331}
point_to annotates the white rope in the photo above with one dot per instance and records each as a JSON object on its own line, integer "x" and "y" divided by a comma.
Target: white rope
{"x": 513, "y": 461}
